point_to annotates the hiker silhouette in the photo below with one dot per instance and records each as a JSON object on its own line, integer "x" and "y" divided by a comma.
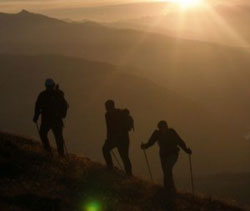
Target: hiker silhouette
{"x": 119, "y": 123}
{"x": 52, "y": 106}
{"x": 169, "y": 142}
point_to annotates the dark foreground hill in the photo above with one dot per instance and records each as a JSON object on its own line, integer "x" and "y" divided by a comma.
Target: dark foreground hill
{"x": 30, "y": 180}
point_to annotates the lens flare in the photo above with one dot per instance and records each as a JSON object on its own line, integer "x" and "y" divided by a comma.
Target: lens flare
{"x": 93, "y": 206}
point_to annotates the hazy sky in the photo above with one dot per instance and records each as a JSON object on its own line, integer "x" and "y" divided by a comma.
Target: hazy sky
{"x": 12, "y": 5}
{"x": 68, "y": 8}
{"x": 15, "y": 5}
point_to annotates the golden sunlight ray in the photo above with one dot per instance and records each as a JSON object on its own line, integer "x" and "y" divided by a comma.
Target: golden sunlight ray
{"x": 187, "y": 3}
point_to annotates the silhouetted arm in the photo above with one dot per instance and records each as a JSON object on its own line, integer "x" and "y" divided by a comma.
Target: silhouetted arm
{"x": 154, "y": 137}
{"x": 180, "y": 142}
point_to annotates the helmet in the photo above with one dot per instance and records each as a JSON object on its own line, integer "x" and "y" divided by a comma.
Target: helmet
{"x": 49, "y": 82}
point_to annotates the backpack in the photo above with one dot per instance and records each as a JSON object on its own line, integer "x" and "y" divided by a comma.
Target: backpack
{"x": 126, "y": 120}
{"x": 61, "y": 104}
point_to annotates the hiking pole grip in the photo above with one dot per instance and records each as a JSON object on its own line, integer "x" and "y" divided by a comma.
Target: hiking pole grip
{"x": 147, "y": 162}
{"x": 191, "y": 173}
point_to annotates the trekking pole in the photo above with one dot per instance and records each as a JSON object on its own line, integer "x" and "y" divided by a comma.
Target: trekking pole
{"x": 191, "y": 173}
{"x": 120, "y": 166}
{"x": 149, "y": 170}
{"x": 64, "y": 142}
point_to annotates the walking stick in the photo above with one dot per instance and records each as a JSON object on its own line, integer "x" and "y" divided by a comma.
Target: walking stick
{"x": 120, "y": 166}
{"x": 64, "y": 142}
{"x": 191, "y": 173}
{"x": 149, "y": 170}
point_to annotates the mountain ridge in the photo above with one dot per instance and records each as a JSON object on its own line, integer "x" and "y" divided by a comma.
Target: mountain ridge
{"x": 25, "y": 16}
{"x": 28, "y": 15}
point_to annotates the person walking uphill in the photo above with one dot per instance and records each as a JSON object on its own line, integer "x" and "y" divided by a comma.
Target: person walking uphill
{"x": 169, "y": 142}
{"x": 52, "y": 106}
{"x": 119, "y": 123}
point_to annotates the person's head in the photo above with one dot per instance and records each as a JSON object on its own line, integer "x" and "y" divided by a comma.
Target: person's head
{"x": 49, "y": 84}
{"x": 163, "y": 126}
{"x": 109, "y": 105}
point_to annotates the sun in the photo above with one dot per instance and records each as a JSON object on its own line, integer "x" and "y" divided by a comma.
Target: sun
{"x": 187, "y": 3}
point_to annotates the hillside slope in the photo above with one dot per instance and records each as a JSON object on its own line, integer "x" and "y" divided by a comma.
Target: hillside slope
{"x": 30, "y": 180}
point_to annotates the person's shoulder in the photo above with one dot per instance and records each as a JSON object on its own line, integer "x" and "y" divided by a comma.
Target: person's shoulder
{"x": 172, "y": 131}
{"x": 42, "y": 93}
{"x": 59, "y": 93}
{"x": 118, "y": 111}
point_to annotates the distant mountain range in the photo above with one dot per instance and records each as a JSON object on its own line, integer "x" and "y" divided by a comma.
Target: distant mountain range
{"x": 220, "y": 23}
{"x": 169, "y": 61}
{"x": 224, "y": 22}
{"x": 109, "y": 12}
{"x": 199, "y": 87}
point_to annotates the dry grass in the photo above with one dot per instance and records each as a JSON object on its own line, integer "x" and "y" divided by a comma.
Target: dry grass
{"x": 32, "y": 180}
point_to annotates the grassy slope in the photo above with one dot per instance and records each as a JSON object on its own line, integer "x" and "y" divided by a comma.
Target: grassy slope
{"x": 30, "y": 180}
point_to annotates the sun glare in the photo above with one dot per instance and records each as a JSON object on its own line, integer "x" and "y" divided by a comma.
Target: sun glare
{"x": 187, "y": 3}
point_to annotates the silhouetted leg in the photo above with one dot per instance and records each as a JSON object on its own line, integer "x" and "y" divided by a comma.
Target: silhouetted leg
{"x": 106, "y": 149}
{"x": 167, "y": 166}
{"x": 124, "y": 153}
{"x": 58, "y": 133}
{"x": 44, "y": 129}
